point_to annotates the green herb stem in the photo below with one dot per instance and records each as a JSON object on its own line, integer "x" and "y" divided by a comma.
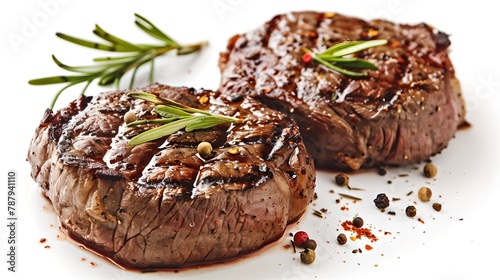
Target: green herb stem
{"x": 174, "y": 117}
{"x": 110, "y": 70}
{"x": 334, "y": 57}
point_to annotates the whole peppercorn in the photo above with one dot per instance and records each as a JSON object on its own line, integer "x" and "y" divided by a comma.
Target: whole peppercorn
{"x": 307, "y": 58}
{"x": 430, "y": 170}
{"x": 411, "y": 211}
{"x": 129, "y": 117}
{"x": 342, "y": 179}
{"x": 424, "y": 194}
{"x": 381, "y": 201}
{"x": 310, "y": 244}
{"x": 358, "y": 222}
{"x": 341, "y": 239}
{"x": 300, "y": 238}
{"x": 205, "y": 149}
{"x": 307, "y": 256}
{"x": 436, "y": 206}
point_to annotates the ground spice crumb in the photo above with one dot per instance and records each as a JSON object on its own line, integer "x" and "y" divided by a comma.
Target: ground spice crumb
{"x": 376, "y": 265}
{"x": 353, "y": 238}
{"x": 368, "y": 247}
{"x": 47, "y": 247}
{"x": 337, "y": 200}
{"x": 391, "y": 213}
{"x": 43, "y": 240}
{"x": 93, "y": 264}
{"x": 420, "y": 220}
{"x": 331, "y": 191}
{"x": 408, "y": 194}
{"x": 359, "y": 232}
{"x": 287, "y": 246}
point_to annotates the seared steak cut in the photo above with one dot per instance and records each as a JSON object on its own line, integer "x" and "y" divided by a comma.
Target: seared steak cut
{"x": 159, "y": 204}
{"x": 404, "y": 112}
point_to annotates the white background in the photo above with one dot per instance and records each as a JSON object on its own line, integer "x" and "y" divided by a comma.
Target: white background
{"x": 460, "y": 242}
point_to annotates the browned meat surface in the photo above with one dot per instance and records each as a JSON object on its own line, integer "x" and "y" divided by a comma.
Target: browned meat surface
{"x": 158, "y": 204}
{"x": 404, "y": 112}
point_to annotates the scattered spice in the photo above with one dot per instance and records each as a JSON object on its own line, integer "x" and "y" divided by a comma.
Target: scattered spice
{"x": 391, "y": 213}
{"x": 381, "y": 171}
{"x": 46, "y": 247}
{"x": 43, "y": 240}
{"x": 411, "y": 211}
{"x": 381, "y": 201}
{"x": 368, "y": 247}
{"x": 129, "y": 117}
{"x": 307, "y": 256}
{"x": 204, "y": 149}
{"x": 349, "y": 196}
{"x": 437, "y": 206}
{"x": 300, "y": 238}
{"x": 409, "y": 193}
{"x": 341, "y": 239}
{"x": 420, "y": 220}
{"x": 307, "y": 58}
{"x": 430, "y": 170}
{"x": 358, "y": 222}
{"x": 360, "y": 232}
{"x": 342, "y": 179}
{"x": 424, "y": 194}
{"x": 233, "y": 151}
{"x": 310, "y": 244}
{"x": 317, "y": 213}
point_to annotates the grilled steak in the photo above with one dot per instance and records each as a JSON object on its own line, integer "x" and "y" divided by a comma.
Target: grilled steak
{"x": 404, "y": 112}
{"x": 159, "y": 204}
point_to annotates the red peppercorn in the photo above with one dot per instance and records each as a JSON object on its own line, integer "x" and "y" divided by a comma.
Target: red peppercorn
{"x": 300, "y": 238}
{"x": 307, "y": 58}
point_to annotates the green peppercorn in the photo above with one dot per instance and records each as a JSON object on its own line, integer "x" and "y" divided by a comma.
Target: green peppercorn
{"x": 205, "y": 149}
{"x": 342, "y": 179}
{"x": 358, "y": 222}
{"x": 310, "y": 244}
{"x": 430, "y": 170}
{"x": 129, "y": 117}
{"x": 307, "y": 256}
{"x": 411, "y": 211}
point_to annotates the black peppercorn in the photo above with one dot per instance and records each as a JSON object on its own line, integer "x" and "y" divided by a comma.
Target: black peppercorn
{"x": 341, "y": 239}
{"x": 411, "y": 211}
{"x": 381, "y": 201}
{"x": 436, "y": 206}
{"x": 357, "y": 222}
{"x": 310, "y": 244}
{"x": 342, "y": 179}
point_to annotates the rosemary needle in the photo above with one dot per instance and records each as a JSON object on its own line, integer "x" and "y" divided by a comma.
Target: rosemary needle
{"x": 335, "y": 58}
{"x": 109, "y": 70}
{"x": 175, "y": 116}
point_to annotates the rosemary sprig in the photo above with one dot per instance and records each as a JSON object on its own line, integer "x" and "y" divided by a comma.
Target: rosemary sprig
{"x": 174, "y": 117}
{"x": 110, "y": 70}
{"x": 335, "y": 58}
